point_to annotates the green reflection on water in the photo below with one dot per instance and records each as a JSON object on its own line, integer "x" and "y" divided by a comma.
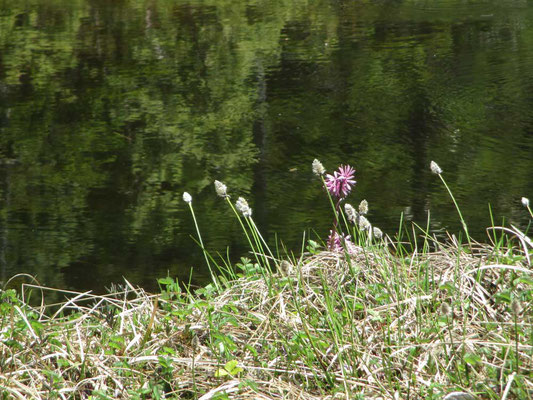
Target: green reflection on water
{"x": 110, "y": 110}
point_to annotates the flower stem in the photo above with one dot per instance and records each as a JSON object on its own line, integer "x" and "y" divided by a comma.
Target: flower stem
{"x": 465, "y": 228}
{"x": 213, "y": 276}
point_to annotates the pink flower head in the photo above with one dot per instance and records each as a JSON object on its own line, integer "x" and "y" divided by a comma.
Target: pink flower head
{"x": 334, "y": 242}
{"x": 338, "y": 243}
{"x": 340, "y": 183}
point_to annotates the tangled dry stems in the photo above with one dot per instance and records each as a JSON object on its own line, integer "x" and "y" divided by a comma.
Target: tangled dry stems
{"x": 329, "y": 327}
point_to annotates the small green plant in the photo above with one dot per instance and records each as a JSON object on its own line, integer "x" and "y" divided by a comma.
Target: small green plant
{"x": 231, "y": 368}
{"x": 248, "y": 268}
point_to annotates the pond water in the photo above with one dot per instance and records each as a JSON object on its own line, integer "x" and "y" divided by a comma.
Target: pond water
{"x": 109, "y": 110}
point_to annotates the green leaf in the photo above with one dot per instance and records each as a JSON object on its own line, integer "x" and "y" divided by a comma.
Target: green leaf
{"x": 230, "y": 368}
{"x": 472, "y": 358}
{"x": 251, "y": 350}
{"x": 201, "y": 304}
{"x": 251, "y": 384}
{"x": 230, "y": 365}
{"x": 168, "y": 350}
{"x": 221, "y": 372}
{"x": 524, "y": 279}
{"x": 449, "y": 287}
{"x": 115, "y": 345}
{"x": 166, "y": 281}
{"x": 503, "y": 297}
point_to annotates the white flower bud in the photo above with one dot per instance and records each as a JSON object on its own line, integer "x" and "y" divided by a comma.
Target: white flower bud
{"x": 221, "y": 189}
{"x": 435, "y": 168}
{"x": 364, "y": 224}
{"x": 351, "y": 214}
{"x": 318, "y": 168}
{"x": 378, "y": 234}
{"x": 363, "y": 207}
{"x": 243, "y": 207}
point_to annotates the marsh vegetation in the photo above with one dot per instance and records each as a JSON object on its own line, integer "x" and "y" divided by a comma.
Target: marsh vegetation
{"x": 359, "y": 315}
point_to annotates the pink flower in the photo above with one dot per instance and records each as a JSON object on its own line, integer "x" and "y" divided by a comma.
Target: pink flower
{"x": 334, "y": 242}
{"x": 337, "y": 243}
{"x": 340, "y": 183}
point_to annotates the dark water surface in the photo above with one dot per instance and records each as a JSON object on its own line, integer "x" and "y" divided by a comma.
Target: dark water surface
{"x": 109, "y": 110}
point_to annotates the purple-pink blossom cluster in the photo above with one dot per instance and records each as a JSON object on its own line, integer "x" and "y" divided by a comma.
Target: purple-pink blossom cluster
{"x": 340, "y": 183}
{"x": 338, "y": 243}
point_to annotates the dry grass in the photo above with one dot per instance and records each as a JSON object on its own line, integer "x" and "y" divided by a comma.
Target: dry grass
{"x": 373, "y": 325}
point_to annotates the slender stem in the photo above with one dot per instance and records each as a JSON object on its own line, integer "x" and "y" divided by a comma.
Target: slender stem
{"x": 449, "y": 319}
{"x": 516, "y": 341}
{"x": 244, "y": 230}
{"x": 266, "y": 246}
{"x": 255, "y": 234}
{"x": 458, "y": 210}
{"x": 213, "y": 276}
{"x": 334, "y": 206}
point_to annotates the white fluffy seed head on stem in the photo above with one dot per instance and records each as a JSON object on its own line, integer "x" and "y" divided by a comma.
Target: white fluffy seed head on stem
{"x": 525, "y": 202}
{"x": 435, "y": 168}
{"x": 363, "y": 207}
{"x": 243, "y": 207}
{"x": 364, "y": 224}
{"x": 318, "y": 168}
{"x": 187, "y": 198}
{"x": 351, "y": 214}
{"x": 221, "y": 189}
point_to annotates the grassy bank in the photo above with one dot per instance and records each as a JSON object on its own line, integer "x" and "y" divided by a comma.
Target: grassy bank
{"x": 365, "y": 317}
{"x": 373, "y": 325}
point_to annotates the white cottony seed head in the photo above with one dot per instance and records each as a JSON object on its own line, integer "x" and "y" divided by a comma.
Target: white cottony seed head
{"x": 378, "y": 234}
{"x": 318, "y": 168}
{"x": 525, "y": 202}
{"x": 187, "y": 197}
{"x": 241, "y": 204}
{"x": 435, "y": 168}
{"x": 364, "y": 223}
{"x": 351, "y": 214}
{"x": 243, "y": 207}
{"x": 221, "y": 189}
{"x": 363, "y": 207}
